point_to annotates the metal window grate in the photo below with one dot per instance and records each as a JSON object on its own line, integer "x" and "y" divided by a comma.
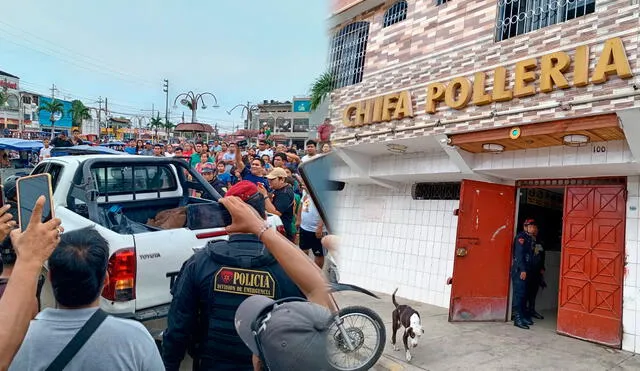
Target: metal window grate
{"x": 440, "y": 2}
{"x": 570, "y": 182}
{"x": 518, "y": 17}
{"x": 396, "y": 13}
{"x": 348, "y": 50}
{"x": 435, "y": 191}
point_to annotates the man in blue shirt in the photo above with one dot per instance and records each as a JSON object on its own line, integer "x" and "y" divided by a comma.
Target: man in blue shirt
{"x": 255, "y": 174}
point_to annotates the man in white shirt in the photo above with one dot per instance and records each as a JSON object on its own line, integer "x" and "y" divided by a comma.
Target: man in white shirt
{"x": 311, "y": 229}
{"x": 312, "y": 151}
{"x": 45, "y": 152}
{"x": 264, "y": 150}
{"x": 169, "y": 152}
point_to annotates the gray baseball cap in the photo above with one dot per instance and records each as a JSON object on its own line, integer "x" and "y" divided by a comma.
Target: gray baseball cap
{"x": 293, "y": 335}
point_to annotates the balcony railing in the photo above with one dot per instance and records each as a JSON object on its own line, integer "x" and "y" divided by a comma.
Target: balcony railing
{"x": 518, "y": 17}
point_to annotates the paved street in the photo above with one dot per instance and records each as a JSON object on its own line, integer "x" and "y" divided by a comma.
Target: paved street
{"x": 489, "y": 346}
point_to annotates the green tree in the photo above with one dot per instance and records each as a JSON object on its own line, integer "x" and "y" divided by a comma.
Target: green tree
{"x": 168, "y": 126}
{"x": 155, "y": 124}
{"x": 322, "y": 87}
{"x": 4, "y": 97}
{"x": 53, "y": 107}
{"x": 79, "y": 112}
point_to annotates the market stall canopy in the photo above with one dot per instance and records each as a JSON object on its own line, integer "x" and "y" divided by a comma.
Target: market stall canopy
{"x": 17, "y": 144}
{"x": 194, "y": 127}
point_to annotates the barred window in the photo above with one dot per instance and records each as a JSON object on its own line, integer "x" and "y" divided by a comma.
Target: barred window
{"x": 517, "y": 17}
{"x": 440, "y": 2}
{"x": 396, "y": 13}
{"x": 348, "y": 50}
{"x": 435, "y": 191}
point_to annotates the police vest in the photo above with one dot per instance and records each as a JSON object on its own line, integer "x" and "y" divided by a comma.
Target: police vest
{"x": 235, "y": 279}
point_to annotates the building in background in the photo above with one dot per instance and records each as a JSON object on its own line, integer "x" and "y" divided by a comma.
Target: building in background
{"x": 288, "y": 121}
{"x": 10, "y": 115}
{"x": 61, "y": 122}
{"x": 456, "y": 120}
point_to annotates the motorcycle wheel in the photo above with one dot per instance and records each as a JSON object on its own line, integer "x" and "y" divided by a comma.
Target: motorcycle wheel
{"x": 344, "y": 359}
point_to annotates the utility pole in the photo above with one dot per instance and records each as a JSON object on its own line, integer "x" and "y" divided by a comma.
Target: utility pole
{"x": 53, "y": 91}
{"x": 165, "y": 89}
{"x": 99, "y": 118}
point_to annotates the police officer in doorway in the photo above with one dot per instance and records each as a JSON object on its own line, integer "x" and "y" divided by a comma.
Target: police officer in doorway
{"x": 522, "y": 264}
{"x": 210, "y": 287}
{"x": 535, "y": 277}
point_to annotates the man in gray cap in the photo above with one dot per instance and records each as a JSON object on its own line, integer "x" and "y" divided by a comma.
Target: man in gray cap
{"x": 288, "y": 334}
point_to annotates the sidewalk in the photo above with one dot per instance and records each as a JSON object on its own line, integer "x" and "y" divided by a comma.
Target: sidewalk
{"x": 487, "y": 346}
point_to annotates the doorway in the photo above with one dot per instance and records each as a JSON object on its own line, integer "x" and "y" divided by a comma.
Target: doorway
{"x": 545, "y": 206}
{"x": 585, "y": 268}
{"x": 582, "y": 228}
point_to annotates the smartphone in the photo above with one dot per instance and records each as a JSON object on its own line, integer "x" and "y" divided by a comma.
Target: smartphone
{"x": 29, "y": 189}
{"x": 316, "y": 176}
{"x": 207, "y": 215}
{"x": 1, "y": 194}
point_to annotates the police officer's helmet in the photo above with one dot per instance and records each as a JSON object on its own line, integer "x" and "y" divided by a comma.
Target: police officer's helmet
{"x": 10, "y": 187}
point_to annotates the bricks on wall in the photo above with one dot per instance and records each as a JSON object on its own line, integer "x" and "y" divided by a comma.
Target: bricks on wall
{"x": 438, "y": 43}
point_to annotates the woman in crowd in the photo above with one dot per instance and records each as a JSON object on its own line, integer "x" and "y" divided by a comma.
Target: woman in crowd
{"x": 139, "y": 146}
{"x": 326, "y": 148}
{"x": 204, "y": 158}
{"x": 267, "y": 163}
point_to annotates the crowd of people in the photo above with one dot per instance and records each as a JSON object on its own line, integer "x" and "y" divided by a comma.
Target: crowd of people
{"x": 283, "y": 326}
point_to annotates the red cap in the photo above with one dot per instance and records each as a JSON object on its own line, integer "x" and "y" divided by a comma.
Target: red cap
{"x": 243, "y": 189}
{"x": 530, "y": 222}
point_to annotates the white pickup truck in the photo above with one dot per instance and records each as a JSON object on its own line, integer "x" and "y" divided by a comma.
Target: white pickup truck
{"x": 98, "y": 190}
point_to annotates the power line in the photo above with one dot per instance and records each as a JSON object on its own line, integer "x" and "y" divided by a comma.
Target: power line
{"x": 73, "y": 61}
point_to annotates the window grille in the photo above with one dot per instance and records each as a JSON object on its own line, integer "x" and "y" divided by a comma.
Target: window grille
{"x": 517, "y": 17}
{"x": 396, "y": 13}
{"x": 348, "y": 50}
{"x": 440, "y": 2}
{"x": 435, "y": 191}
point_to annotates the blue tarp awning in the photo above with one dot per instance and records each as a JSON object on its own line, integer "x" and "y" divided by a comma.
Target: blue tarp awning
{"x": 16, "y": 144}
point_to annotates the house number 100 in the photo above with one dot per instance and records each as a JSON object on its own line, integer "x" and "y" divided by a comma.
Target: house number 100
{"x": 599, "y": 149}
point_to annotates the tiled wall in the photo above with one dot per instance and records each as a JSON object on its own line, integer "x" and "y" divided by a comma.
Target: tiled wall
{"x": 438, "y": 43}
{"x": 390, "y": 240}
{"x": 631, "y": 292}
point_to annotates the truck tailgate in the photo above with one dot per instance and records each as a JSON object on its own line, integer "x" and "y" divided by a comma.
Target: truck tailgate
{"x": 160, "y": 255}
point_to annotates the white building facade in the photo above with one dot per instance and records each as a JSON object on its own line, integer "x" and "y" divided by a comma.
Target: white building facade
{"x": 456, "y": 120}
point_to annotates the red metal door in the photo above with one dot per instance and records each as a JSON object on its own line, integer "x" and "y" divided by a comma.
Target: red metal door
{"x": 591, "y": 273}
{"x": 480, "y": 285}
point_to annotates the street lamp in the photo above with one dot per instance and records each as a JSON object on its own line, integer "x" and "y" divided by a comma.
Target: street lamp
{"x": 191, "y": 99}
{"x": 248, "y": 108}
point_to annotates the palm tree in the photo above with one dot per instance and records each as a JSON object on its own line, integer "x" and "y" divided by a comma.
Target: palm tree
{"x": 4, "y": 97}
{"x": 156, "y": 123}
{"x": 79, "y": 112}
{"x": 322, "y": 87}
{"x": 53, "y": 107}
{"x": 168, "y": 126}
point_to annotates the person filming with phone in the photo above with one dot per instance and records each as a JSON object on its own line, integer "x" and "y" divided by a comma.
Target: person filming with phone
{"x": 210, "y": 287}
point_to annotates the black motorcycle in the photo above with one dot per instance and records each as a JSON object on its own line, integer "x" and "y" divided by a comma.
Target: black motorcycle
{"x": 357, "y": 335}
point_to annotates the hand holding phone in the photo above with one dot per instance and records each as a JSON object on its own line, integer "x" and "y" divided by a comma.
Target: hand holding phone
{"x": 29, "y": 189}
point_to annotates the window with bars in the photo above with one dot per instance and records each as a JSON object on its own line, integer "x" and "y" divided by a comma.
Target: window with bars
{"x": 435, "y": 191}
{"x": 440, "y": 2}
{"x": 396, "y": 13}
{"x": 348, "y": 51}
{"x": 517, "y": 17}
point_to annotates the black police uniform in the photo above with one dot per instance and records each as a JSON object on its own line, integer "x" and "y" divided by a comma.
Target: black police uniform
{"x": 534, "y": 278}
{"x": 210, "y": 287}
{"x": 522, "y": 262}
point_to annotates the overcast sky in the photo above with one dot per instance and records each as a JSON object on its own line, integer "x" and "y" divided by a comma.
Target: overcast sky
{"x": 122, "y": 49}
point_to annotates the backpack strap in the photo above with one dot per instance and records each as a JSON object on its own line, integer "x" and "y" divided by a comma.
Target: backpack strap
{"x": 76, "y": 343}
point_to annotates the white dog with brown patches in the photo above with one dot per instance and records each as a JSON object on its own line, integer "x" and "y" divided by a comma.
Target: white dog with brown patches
{"x": 408, "y": 318}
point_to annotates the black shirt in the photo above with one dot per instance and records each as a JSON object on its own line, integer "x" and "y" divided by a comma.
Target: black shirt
{"x": 283, "y": 200}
